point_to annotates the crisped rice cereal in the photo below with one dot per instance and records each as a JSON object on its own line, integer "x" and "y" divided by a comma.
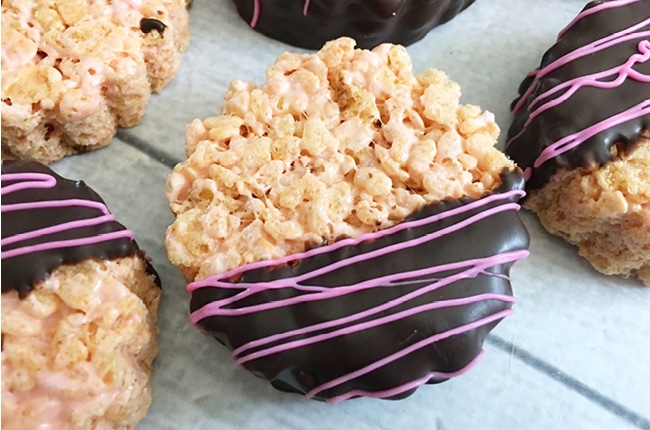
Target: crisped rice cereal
{"x": 75, "y": 70}
{"x": 333, "y": 144}
{"x": 77, "y": 351}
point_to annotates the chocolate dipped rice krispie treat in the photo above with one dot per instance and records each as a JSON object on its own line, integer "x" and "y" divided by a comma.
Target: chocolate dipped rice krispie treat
{"x": 75, "y": 70}
{"x": 79, "y": 308}
{"x": 347, "y": 228}
{"x": 311, "y": 23}
{"x": 582, "y": 132}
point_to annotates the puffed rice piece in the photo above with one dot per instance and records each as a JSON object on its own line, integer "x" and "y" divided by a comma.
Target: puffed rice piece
{"x": 77, "y": 350}
{"x": 333, "y": 144}
{"x": 75, "y": 70}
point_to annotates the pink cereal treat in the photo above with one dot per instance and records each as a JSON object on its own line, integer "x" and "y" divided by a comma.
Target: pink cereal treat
{"x": 335, "y": 144}
{"x": 75, "y": 70}
{"x": 581, "y": 131}
{"x": 347, "y": 228}
{"x": 79, "y": 307}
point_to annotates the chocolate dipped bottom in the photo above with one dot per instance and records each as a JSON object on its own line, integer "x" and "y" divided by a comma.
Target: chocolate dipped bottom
{"x": 309, "y": 24}
{"x": 48, "y": 221}
{"x": 377, "y": 315}
{"x": 79, "y": 307}
{"x": 589, "y": 101}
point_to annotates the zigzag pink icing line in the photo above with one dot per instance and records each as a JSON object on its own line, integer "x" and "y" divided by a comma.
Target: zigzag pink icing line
{"x": 216, "y": 308}
{"x": 475, "y": 268}
{"x": 598, "y": 80}
{"x": 68, "y": 243}
{"x": 573, "y": 140}
{"x": 362, "y": 326}
{"x": 215, "y": 280}
{"x": 595, "y": 9}
{"x": 404, "y": 352}
{"x": 591, "y": 48}
{"x": 57, "y": 229}
{"x": 29, "y": 180}
{"x": 409, "y": 385}
{"x": 41, "y": 180}
{"x": 465, "y": 269}
{"x": 472, "y": 269}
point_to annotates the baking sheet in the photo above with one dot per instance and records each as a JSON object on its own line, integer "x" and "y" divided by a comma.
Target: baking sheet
{"x": 575, "y": 353}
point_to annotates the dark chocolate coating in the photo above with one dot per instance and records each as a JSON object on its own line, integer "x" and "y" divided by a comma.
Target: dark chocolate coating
{"x": 369, "y": 22}
{"x": 301, "y": 369}
{"x": 589, "y": 105}
{"x": 147, "y": 25}
{"x": 22, "y": 272}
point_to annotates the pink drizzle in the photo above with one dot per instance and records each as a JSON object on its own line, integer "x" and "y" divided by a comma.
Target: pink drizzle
{"x": 357, "y": 327}
{"x": 135, "y": 4}
{"x": 406, "y": 351}
{"x": 606, "y": 79}
{"x": 24, "y": 181}
{"x": 29, "y": 180}
{"x": 593, "y": 10}
{"x": 591, "y": 48}
{"x": 212, "y": 281}
{"x": 573, "y": 140}
{"x": 256, "y": 13}
{"x": 347, "y": 325}
{"x": 408, "y": 386}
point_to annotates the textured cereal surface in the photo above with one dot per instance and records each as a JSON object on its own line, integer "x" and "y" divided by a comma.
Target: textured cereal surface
{"x": 605, "y": 212}
{"x": 334, "y": 144}
{"x": 75, "y": 70}
{"x": 77, "y": 351}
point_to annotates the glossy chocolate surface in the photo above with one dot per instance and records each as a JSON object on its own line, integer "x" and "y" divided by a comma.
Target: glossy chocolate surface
{"x": 483, "y": 231}
{"x": 60, "y": 202}
{"x": 369, "y": 22}
{"x": 611, "y": 78}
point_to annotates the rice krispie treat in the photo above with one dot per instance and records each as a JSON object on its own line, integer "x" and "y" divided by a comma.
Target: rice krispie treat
{"x": 347, "y": 228}
{"x": 311, "y": 23}
{"x": 79, "y": 308}
{"x": 75, "y": 70}
{"x": 582, "y": 132}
